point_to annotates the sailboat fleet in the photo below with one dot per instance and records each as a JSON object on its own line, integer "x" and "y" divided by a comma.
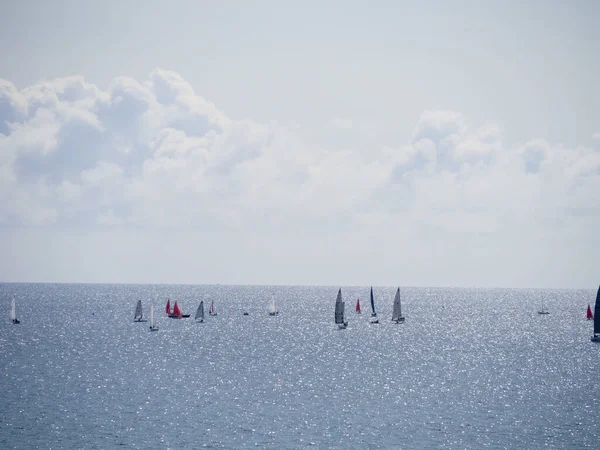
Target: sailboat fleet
{"x": 340, "y": 317}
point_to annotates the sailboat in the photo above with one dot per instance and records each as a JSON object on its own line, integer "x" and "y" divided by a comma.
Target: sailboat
{"x": 543, "y": 310}
{"x": 13, "y": 312}
{"x": 176, "y": 314}
{"x": 358, "y": 306}
{"x": 590, "y": 316}
{"x": 168, "y": 308}
{"x": 339, "y": 312}
{"x": 200, "y": 312}
{"x": 138, "y": 316}
{"x": 596, "y": 336}
{"x": 374, "y": 318}
{"x": 273, "y": 306}
{"x": 212, "y": 310}
{"x": 153, "y": 326}
{"x": 397, "y": 316}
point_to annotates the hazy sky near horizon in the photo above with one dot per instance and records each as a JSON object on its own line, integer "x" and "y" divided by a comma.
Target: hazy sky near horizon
{"x": 332, "y": 143}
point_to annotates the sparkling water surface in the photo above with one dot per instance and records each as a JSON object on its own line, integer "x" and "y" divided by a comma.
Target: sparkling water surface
{"x": 470, "y": 368}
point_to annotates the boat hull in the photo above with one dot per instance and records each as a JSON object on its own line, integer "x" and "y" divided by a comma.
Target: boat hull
{"x": 140, "y": 320}
{"x": 595, "y": 339}
{"x": 153, "y": 328}
{"x": 16, "y": 321}
{"x": 400, "y": 320}
{"x": 543, "y": 312}
{"x": 183, "y": 316}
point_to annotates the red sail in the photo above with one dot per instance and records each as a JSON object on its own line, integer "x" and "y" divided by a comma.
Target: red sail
{"x": 168, "y": 308}
{"x": 589, "y": 313}
{"x": 358, "y": 305}
{"x": 176, "y": 311}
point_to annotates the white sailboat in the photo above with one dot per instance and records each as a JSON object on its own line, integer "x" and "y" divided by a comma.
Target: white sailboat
{"x": 273, "y": 307}
{"x": 13, "y": 311}
{"x": 138, "y": 315}
{"x": 200, "y": 312}
{"x": 339, "y": 312}
{"x": 212, "y": 310}
{"x": 397, "y": 316}
{"x": 153, "y": 326}
{"x": 543, "y": 310}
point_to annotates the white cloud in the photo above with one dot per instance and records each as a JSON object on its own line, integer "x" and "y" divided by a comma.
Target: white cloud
{"x": 154, "y": 154}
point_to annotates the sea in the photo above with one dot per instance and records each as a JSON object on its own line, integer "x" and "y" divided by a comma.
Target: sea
{"x": 469, "y": 369}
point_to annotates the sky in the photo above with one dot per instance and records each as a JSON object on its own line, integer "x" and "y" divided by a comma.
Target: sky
{"x": 387, "y": 143}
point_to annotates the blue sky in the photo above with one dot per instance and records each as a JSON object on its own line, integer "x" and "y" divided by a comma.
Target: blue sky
{"x": 391, "y": 143}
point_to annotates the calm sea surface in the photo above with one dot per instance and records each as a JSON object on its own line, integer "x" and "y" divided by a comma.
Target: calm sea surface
{"x": 470, "y": 368}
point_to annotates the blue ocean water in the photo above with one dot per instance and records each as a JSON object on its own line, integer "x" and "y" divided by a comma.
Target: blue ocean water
{"x": 470, "y": 368}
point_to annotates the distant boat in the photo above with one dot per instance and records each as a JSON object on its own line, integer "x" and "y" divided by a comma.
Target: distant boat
{"x": 374, "y": 318}
{"x": 543, "y": 310}
{"x": 273, "y": 306}
{"x": 590, "y": 316}
{"x": 153, "y": 326}
{"x": 397, "y": 316}
{"x": 176, "y": 314}
{"x": 358, "y": 306}
{"x": 138, "y": 316}
{"x": 200, "y": 312}
{"x": 596, "y": 336}
{"x": 212, "y": 310}
{"x": 13, "y": 312}
{"x": 168, "y": 308}
{"x": 339, "y": 312}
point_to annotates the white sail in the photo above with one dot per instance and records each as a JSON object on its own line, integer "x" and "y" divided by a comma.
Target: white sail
{"x": 153, "y": 326}
{"x": 13, "y": 310}
{"x": 397, "y": 312}
{"x": 272, "y": 306}
{"x": 212, "y": 310}
{"x": 200, "y": 312}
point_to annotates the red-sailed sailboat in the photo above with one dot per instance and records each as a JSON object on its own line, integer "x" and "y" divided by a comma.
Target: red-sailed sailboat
{"x": 358, "y": 306}
{"x": 176, "y": 314}
{"x": 590, "y": 316}
{"x": 168, "y": 308}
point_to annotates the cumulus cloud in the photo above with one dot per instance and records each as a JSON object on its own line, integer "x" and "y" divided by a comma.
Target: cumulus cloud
{"x": 154, "y": 153}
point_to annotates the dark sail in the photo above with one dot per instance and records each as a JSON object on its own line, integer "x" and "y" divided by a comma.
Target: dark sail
{"x": 373, "y": 313}
{"x": 339, "y": 308}
{"x": 597, "y": 313}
